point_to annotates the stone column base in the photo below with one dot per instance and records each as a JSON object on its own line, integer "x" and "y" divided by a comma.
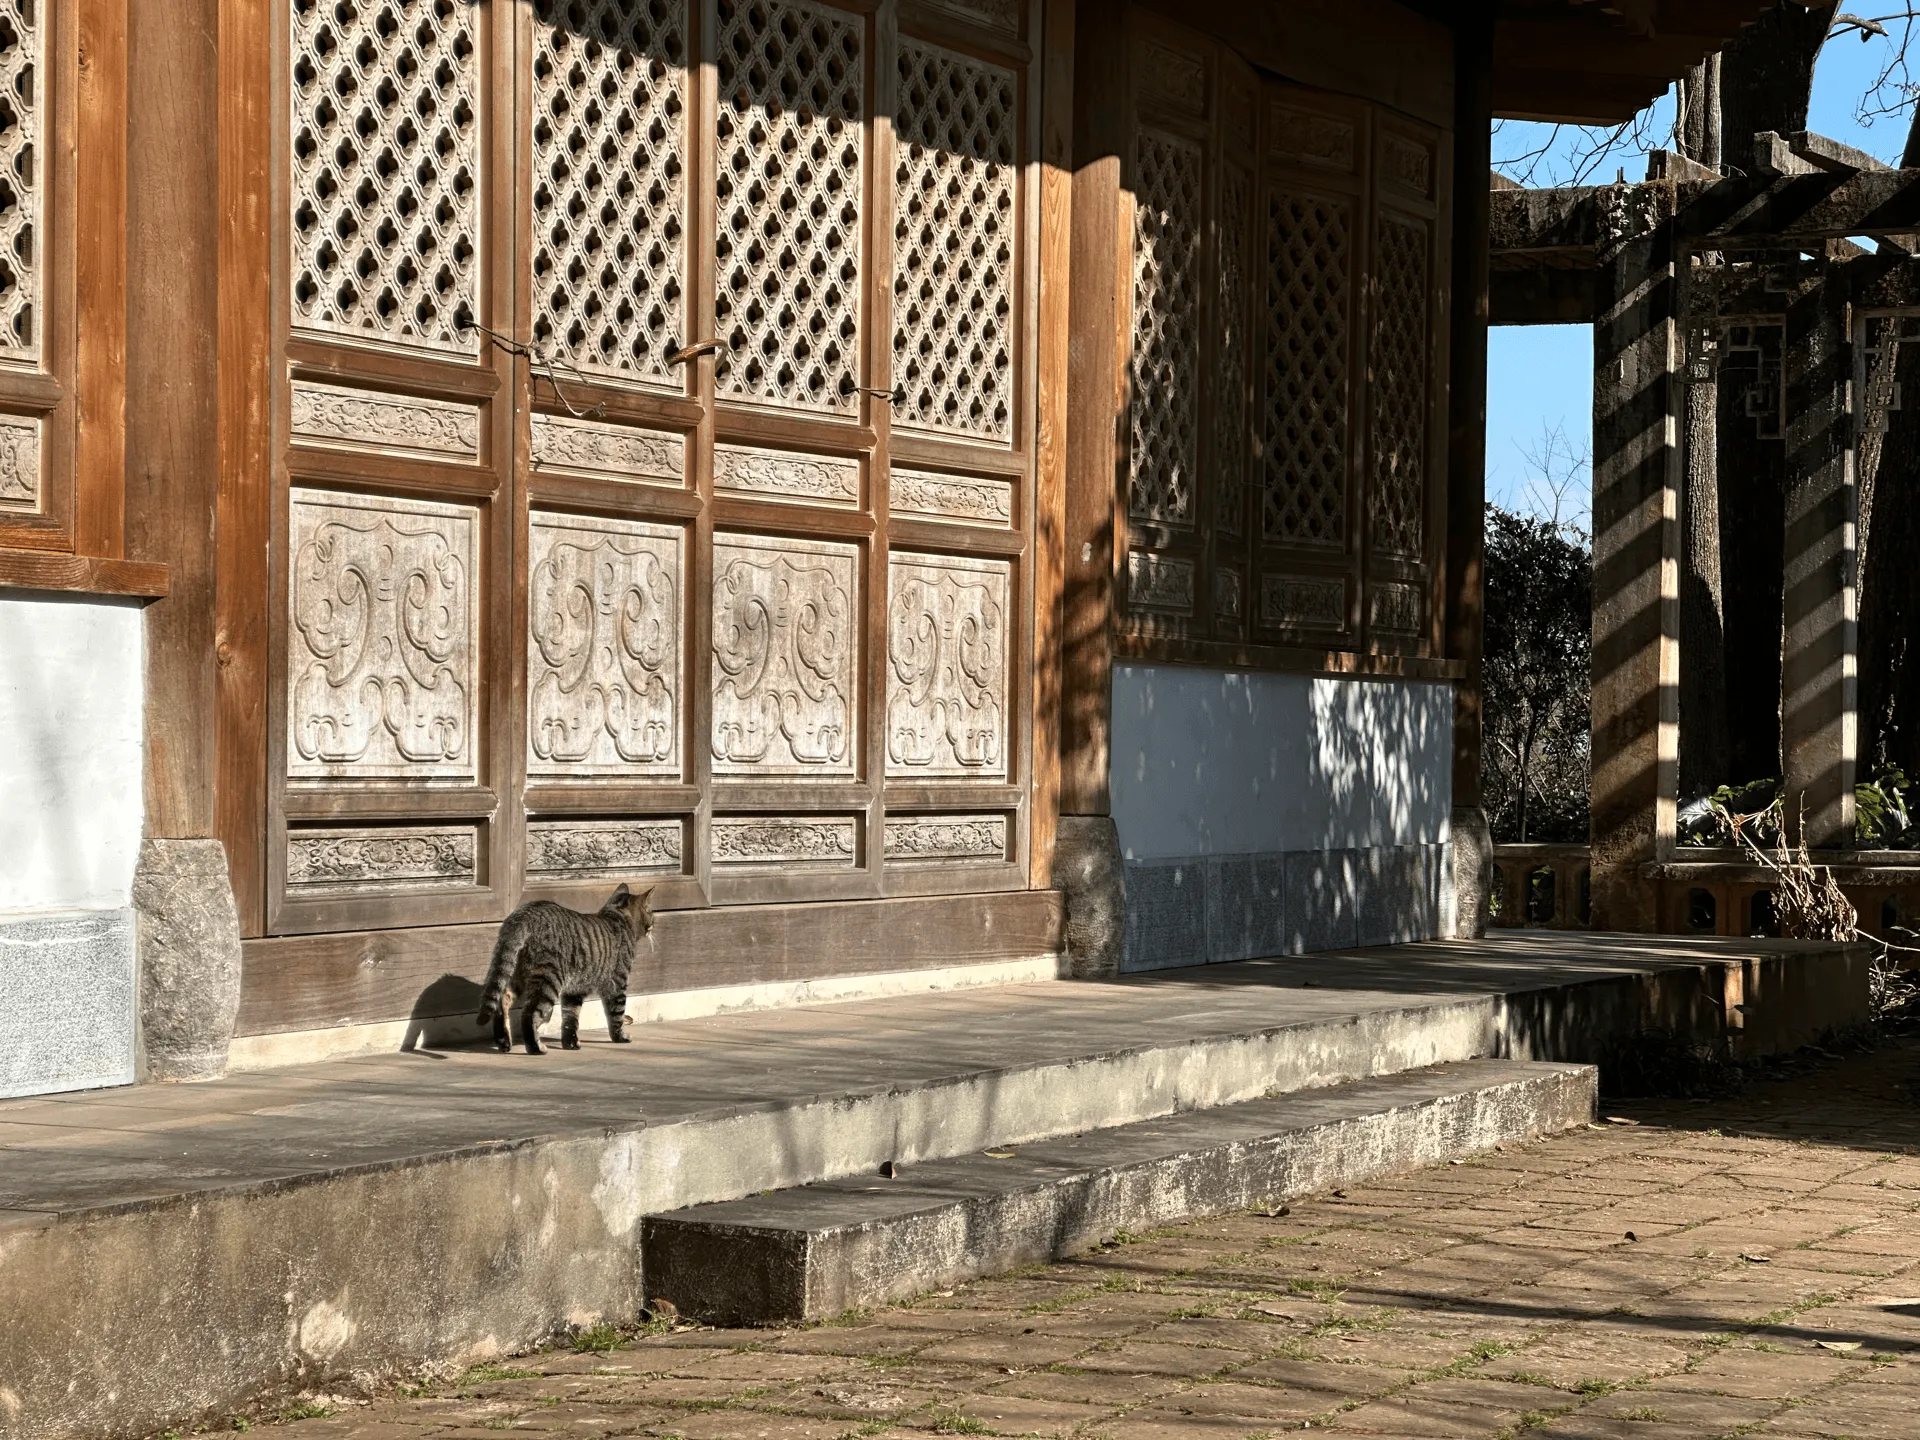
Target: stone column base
{"x": 188, "y": 943}
{"x": 1087, "y": 869}
{"x": 1472, "y": 872}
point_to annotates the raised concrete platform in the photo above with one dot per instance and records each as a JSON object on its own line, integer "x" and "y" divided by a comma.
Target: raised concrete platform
{"x": 167, "y": 1252}
{"x": 816, "y": 1251}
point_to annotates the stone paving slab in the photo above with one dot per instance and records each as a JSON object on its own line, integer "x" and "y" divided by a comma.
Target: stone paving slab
{"x": 1343, "y": 1314}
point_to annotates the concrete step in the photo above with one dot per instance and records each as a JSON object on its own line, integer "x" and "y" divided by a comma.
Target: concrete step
{"x": 817, "y": 1251}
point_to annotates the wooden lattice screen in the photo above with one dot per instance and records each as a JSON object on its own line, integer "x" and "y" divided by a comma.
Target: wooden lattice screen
{"x": 1287, "y": 378}
{"x": 569, "y": 594}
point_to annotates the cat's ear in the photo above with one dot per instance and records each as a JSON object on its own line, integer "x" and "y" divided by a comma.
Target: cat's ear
{"x": 646, "y": 908}
{"x": 622, "y": 895}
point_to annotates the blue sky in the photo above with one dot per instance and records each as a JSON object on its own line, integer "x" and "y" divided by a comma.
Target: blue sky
{"x": 1540, "y": 377}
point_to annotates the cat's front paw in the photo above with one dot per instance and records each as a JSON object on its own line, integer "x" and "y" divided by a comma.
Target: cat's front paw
{"x": 534, "y": 1047}
{"x": 502, "y": 1044}
{"x": 570, "y": 1042}
{"x": 620, "y": 1039}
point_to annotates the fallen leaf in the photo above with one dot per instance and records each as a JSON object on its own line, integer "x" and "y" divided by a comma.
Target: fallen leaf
{"x": 1632, "y": 1236}
{"x": 1268, "y": 1307}
{"x": 998, "y": 1154}
{"x": 1758, "y": 1259}
{"x": 889, "y": 1170}
{"x": 1838, "y": 1344}
{"x": 1620, "y": 1120}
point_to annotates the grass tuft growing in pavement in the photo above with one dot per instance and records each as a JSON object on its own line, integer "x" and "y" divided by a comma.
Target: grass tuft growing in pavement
{"x": 597, "y": 1339}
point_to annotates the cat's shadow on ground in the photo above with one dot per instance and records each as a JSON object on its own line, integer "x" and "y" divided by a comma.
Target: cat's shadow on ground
{"x": 443, "y": 1018}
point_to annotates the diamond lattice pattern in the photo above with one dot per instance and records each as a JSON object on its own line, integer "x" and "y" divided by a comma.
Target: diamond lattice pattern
{"x": 1166, "y": 352}
{"x": 1230, "y": 436}
{"x": 20, "y": 187}
{"x": 610, "y": 184}
{"x": 385, "y": 170}
{"x": 1398, "y": 434}
{"x": 791, "y": 108}
{"x": 953, "y": 243}
{"x": 1304, "y": 473}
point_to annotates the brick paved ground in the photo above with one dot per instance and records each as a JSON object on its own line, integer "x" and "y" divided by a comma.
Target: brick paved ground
{"x": 1748, "y": 1266}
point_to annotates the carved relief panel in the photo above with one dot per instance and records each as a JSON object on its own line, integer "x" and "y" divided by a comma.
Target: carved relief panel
{"x": 382, "y": 638}
{"x": 785, "y": 631}
{"x": 22, "y": 161}
{"x": 604, "y": 691}
{"x": 948, "y": 620}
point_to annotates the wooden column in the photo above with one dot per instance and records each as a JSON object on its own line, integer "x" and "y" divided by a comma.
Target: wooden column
{"x": 1819, "y": 657}
{"x": 1100, "y": 307}
{"x": 1050, "y": 504}
{"x": 1636, "y": 547}
{"x": 1464, "y": 571}
{"x": 1467, "y": 395}
{"x": 172, "y": 449}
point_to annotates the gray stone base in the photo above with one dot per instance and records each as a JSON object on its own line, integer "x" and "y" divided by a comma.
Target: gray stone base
{"x": 1242, "y": 907}
{"x": 1088, "y": 870}
{"x": 189, "y": 935}
{"x": 1472, "y": 873}
{"x": 67, "y": 1021}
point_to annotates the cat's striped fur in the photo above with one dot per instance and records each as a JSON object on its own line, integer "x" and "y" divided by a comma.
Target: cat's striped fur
{"x": 547, "y": 952}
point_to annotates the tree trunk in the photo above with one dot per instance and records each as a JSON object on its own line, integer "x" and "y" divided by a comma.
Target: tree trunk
{"x": 1766, "y": 76}
{"x": 1700, "y": 113}
{"x": 1703, "y": 666}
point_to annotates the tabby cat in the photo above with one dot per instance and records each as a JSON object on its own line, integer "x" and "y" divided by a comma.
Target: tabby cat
{"x": 547, "y": 952}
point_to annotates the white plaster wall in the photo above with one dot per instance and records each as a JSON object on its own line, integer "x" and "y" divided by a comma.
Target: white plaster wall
{"x": 1212, "y": 762}
{"x": 70, "y": 752}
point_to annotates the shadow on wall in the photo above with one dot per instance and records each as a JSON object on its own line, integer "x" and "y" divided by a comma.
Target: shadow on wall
{"x": 1221, "y": 763}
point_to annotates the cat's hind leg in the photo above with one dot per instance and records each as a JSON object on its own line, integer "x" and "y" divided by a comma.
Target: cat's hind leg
{"x": 502, "y": 1037}
{"x": 540, "y": 998}
{"x": 617, "y": 1018}
{"x": 570, "y": 1021}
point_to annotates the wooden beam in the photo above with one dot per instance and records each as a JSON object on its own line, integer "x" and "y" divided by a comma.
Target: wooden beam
{"x": 1636, "y": 550}
{"x": 1543, "y": 295}
{"x": 84, "y": 574}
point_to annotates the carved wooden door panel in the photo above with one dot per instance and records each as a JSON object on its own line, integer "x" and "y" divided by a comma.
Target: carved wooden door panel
{"x": 1287, "y": 299}
{"x": 658, "y": 439}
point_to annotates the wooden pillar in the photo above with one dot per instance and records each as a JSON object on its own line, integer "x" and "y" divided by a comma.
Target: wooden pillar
{"x": 1636, "y": 593}
{"x": 1819, "y": 664}
{"x": 172, "y": 450}
{"x": 1467, "y": 460}
{"x": 1100, "y": 305}
{"x": 1050, "y": 504}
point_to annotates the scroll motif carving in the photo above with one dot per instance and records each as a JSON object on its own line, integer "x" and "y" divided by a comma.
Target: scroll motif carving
{"x": 19, "y": 464}
{"x": 385, "y": 154}
{"x": 829, "y": 842}
{"x": 1292, "y": 603}
{"x": 829, "y": 479}
{"x": 953, "y": 243}
{"x": 792, "y": 113}
{"x": 382, "y": 638}
{"x": 1309, "y": 137}
{"x": 1407, "y": 163}
{"x": 22, "y": 234}
{"x": 1176, "y": 77}
{"x": 565, "y": 850}
{"x": 1159, "y": 582}
{"x": 1167, "y": 218}
{"x": 946, "y": 837}
{"x": 947, "y": 621}
{"x": 1226, "y": 596}
{"x": 337, "y": 415}
{"x": 951, "y": 497}
{"x": 610, "y": 185}
{"x": 389, "y": 858}
{"x": 1397, "y": 608}
{"x": 610, "y": 452}
{"x": 784, "y": 624}
{"x": 1401, "y": 354}
{"x": 603, "y": 658}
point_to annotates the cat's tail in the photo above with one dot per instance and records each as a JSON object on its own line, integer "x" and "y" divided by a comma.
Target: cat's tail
{"x": 506, "y": 956}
